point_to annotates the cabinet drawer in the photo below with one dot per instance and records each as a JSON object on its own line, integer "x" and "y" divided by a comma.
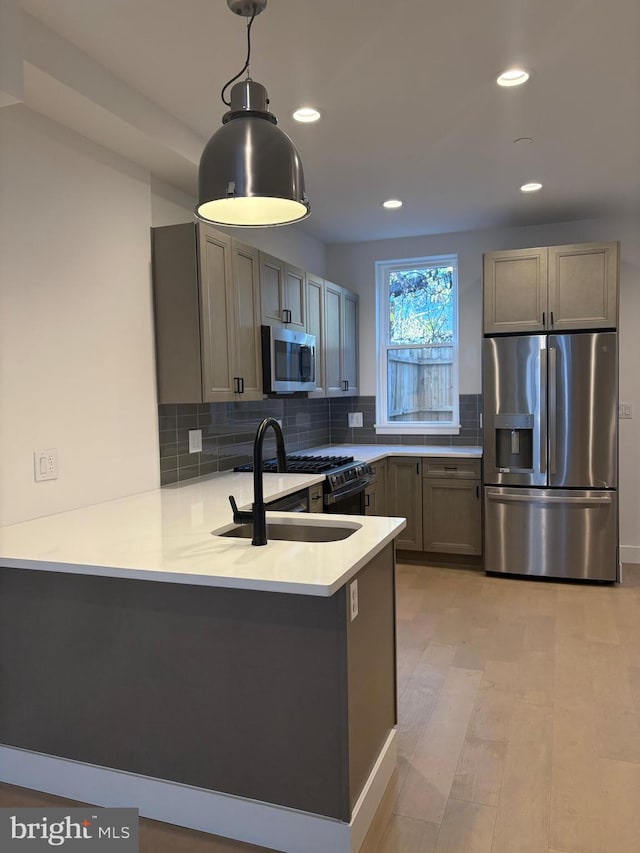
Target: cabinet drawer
{"x": 454, "y": 468}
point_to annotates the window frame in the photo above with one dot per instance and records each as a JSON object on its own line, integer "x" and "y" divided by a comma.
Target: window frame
{"x": 382, "y": 425}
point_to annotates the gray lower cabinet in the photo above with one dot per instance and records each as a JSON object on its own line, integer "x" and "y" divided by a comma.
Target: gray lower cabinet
{"x": 441, "y": 499}
{"x": 375, "y": 501}
{"x": 451, "y": 506}
{"x": 404, "y": 499}
{"x": 207, "y": 316}
{"x": 451, "y": 516}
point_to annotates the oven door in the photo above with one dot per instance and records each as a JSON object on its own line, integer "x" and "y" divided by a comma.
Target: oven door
{"x": 347, "y": 501}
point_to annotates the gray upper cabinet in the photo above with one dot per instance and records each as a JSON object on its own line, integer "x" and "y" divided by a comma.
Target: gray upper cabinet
{"x": 207, "y": 316}
{"x": 315, "y": 326}
{"x": 515, "y": 291}
{"x": 583, "y": 286}
{"x": 340, "y": 341}
{"x": 283, "y": 293}
{"x": 551, "y": 289}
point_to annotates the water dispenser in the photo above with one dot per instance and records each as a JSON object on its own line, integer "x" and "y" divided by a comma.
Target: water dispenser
{"x": 514, "y": 442}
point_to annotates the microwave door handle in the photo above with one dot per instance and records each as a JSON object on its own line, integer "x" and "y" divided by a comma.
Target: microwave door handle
{"x": 305, "y": 363}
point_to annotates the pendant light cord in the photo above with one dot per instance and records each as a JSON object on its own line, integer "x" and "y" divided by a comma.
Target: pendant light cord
{"x": 244, "y": 67}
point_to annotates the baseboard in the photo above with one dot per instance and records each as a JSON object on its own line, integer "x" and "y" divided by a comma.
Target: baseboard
{"x": 245, "y": 820}
{"x": 440, "y": 560}
{"x": 630, "y": 554}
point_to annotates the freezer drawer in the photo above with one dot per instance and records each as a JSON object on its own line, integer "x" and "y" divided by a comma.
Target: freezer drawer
{"x": 555, "y": 533}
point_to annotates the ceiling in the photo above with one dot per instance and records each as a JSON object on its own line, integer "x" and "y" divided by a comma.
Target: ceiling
{"x": 411, "y": 108}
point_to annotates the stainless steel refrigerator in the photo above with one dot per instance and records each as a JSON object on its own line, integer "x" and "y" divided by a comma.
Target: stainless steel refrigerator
{"x": 551, "y": 455}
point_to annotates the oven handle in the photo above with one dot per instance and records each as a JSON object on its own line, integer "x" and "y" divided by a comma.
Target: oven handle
{"x": 352, "y": 488}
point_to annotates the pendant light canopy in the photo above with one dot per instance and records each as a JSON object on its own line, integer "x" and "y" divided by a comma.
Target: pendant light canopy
{"x": 250, "y": 173}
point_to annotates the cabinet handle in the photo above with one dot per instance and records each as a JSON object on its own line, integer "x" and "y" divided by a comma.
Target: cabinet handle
{"x": 241, "y": 384}
{"x": 345, "y": 384}
{"x": 236, "y": 384}
{"x": 286, "y": 316}
{"x": 367, "y": 500}
{"x": 450, "y": 467}
{"x": 477, "y": 491}
{"x": 552, "y": 318}
{"x": 418, "y": 468}
{"x": 544, "y": 316}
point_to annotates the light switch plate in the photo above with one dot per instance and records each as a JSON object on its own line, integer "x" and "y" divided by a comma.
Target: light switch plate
{"x": 45, "y": 464}
{"x": 625, "y": 410}
{"x": 195, "y": 440}
{"x": 353, "y": 600}
{"x": 355, "y": 419}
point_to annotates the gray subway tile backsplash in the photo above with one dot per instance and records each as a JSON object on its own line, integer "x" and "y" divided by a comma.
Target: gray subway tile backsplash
{"x": 228, "y": 430}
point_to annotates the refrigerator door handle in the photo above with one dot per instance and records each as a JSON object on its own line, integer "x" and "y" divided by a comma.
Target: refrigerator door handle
{"x": 597, "y": 500}
{"x": 553, "y": 401}
{"x": 542, "y": 417}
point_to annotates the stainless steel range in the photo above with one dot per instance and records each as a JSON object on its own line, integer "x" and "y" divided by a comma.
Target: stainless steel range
{"x": 345, "y": 481}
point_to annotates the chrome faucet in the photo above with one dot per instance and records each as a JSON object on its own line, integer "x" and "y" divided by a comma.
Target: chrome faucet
{"x": 257, "y": 516}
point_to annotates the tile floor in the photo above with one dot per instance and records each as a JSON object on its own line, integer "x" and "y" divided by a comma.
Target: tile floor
{"x": 519, "y": 730}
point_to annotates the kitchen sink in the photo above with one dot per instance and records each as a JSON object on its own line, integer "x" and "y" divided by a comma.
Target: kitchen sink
{"x": 300, "y": 532}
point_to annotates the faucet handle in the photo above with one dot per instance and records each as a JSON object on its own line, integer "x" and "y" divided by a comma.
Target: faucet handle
{"x": 239, "y": 516}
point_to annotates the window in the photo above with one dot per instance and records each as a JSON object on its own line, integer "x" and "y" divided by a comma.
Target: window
{"x": 417, "y": 378}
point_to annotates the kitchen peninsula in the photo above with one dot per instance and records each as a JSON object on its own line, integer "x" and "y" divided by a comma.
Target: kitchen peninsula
{"x": 234, "y": 689}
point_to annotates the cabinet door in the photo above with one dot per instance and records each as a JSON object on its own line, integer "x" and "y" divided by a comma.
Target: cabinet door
{"x": 371, "y": 499}
{"x": 451, "y": 516}
{"x": 216, "y": 315}
{"x": 378, "y": 503}
{"x": 295, "y": 298}
{"x": 350, "y": 343}
{"x": 333, "y": 328}
{"x": 272, "y": 290}
{"x": 515, "y": 291}
{"x": 583, "y": 286}
{"x": 246, "y": 282}
{"x": 315, "y": 326}
{"x": 404, "y": 499}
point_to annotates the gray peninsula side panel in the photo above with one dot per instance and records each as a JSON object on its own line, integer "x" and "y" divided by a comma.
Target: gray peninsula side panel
{"x": 238, "y": 691}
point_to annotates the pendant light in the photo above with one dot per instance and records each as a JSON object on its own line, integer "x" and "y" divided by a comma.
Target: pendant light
{"x": 250, "y": 173}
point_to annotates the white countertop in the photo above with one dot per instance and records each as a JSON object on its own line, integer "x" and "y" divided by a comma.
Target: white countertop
{"x": 165, "y": 535}
{"x": 373, "y": 452}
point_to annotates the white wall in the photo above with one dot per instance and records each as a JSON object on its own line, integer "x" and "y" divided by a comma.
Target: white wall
{"x": 353, "y": 265}
{"x": 76, "y": 331}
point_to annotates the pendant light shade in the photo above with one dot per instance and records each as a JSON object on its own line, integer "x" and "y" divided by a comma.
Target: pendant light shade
{"x": 250, "y": 172}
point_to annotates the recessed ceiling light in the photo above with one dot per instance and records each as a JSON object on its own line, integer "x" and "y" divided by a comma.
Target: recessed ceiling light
{"x": 531, "y": 187}
{"x": 392, "y": 203}
{"x": 307, "y": 115}
{"x": 513, "y": 77}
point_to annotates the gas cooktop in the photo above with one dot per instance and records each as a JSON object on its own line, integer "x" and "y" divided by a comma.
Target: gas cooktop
{"x": 297, "y": 464}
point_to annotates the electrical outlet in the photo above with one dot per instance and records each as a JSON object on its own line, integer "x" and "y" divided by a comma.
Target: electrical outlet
{"x": 355, "y": 419}
{"x": 195, "y": 441}
{"x": 45, "y": 464}
{"x": 353, "y": 600}
{"x": 625, "y": 410}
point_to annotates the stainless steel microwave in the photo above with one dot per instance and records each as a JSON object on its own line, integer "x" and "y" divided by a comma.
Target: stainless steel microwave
{"x": 288, "y": 361}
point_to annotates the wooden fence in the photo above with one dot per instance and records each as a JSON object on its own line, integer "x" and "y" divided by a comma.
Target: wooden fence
{"x": 420, "y": 384}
